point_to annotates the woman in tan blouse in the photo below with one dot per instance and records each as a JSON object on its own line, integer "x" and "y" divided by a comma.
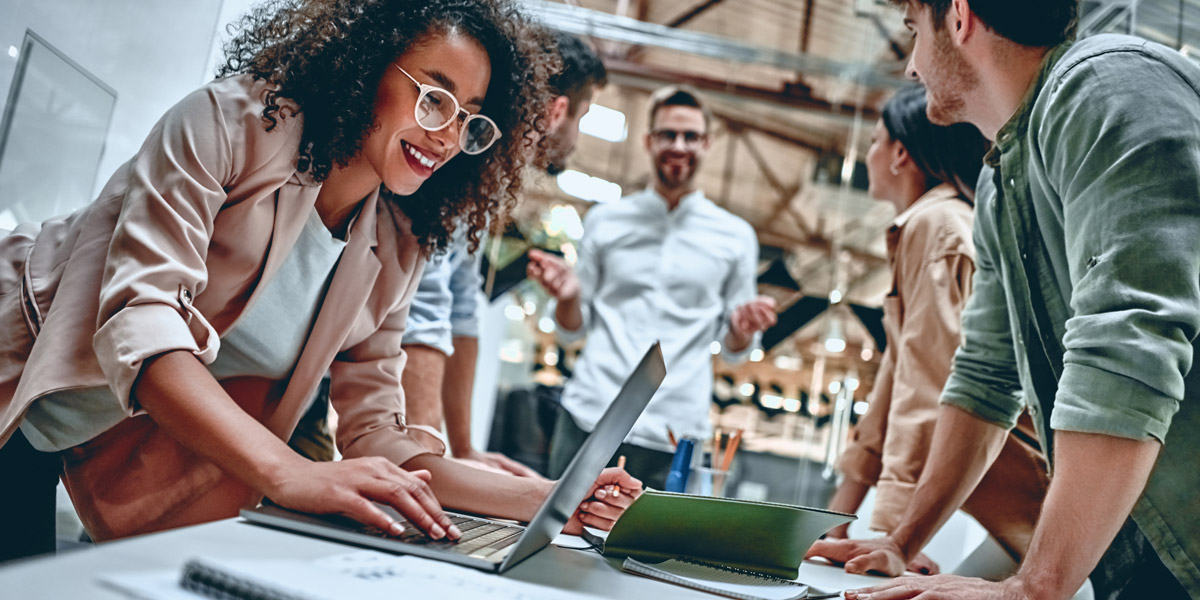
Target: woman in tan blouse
{"x": 928, "y": 173}
{"x": 340, "y": 147}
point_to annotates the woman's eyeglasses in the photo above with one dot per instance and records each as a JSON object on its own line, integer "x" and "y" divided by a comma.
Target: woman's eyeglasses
{"x": 437, "y": 108}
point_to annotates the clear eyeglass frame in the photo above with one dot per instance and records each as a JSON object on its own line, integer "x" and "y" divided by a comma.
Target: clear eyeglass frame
{"x": 469, "y": 124}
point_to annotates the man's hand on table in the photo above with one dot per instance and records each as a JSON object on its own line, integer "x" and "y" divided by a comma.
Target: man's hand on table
{"x": 878, "y": 555}
{"x": 943, "y": 587}
{"x": 840, "y": 550}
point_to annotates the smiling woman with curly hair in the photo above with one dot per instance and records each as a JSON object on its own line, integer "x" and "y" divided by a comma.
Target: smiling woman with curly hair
{"x": 161, "y": 343}
{"x": 329, "y": 71}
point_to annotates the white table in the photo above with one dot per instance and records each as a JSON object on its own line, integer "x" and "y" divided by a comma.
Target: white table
{"x": 76, "y": 574}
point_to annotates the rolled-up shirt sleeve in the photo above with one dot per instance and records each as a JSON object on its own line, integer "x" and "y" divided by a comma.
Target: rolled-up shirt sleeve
{"x": 429, "y": 316}
{"x": 984, "y": 380}
{"x": 465, "y": 283}
{"x": 155, "y": 262}
{"x": 1129, "y": 183}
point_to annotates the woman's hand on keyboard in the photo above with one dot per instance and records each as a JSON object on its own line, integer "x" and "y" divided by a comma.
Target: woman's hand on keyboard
{"x": 352, "y": 487}
{"x": 612, "y": 493}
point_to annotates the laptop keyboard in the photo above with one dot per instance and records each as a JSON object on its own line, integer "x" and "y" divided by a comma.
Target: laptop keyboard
{"x": 480, "y": 538}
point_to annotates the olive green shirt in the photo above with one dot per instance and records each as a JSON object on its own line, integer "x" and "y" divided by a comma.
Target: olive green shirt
{"x": 1086, "y": 303}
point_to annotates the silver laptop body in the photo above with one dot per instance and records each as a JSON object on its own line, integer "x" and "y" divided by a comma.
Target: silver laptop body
{"x": 487, "y": 544}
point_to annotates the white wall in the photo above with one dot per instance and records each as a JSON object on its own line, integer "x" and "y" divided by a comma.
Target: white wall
{"x": 152, "y": 52}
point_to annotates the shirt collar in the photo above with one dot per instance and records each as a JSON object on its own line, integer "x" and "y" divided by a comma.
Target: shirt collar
{"x": 685, "y": 202}
{"x": 936, "y": 195}
{"x": 1016, "y": 126}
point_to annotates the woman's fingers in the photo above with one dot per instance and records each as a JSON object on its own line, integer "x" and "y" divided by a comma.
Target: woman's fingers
{"x": 620, "y": 499}
{"x": 602, "y": 510}
{"x": 397, "y": 485}
{"x": 596, "y": 522}
{"x": 364, "y": 511}
{"x": 405, "y": 497}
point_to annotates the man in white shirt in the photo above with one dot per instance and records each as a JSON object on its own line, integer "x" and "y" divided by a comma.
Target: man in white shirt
{"x": 662, "y": 264}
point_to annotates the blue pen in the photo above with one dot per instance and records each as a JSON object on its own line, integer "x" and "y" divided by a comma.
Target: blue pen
{"x": 681, "y": 466}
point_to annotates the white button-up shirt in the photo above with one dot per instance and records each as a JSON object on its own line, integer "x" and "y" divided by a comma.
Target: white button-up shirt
{"x": 650, "y": 274}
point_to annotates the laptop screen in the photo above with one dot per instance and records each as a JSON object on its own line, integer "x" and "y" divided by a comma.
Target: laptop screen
{"x": 595, "y": 453}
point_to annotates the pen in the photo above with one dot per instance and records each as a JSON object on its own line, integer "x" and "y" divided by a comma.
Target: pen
{"x": 616, "y": 491}
{"x": 731, "y": 449}
{"x": 823, "y": 596}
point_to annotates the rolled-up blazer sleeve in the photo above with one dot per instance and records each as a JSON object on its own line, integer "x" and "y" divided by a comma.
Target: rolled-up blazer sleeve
{"x": 155, "y": 264}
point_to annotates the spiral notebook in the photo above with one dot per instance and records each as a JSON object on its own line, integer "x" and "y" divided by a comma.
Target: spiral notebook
{"x": 722, "y": 580}
{"x": 362, "y": 575}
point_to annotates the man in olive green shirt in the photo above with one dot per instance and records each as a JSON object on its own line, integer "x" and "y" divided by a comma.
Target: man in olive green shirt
{"x": 1086, "y": 304}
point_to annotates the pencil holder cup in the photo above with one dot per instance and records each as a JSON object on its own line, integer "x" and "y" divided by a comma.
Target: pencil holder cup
{"x": 706, "y": 481}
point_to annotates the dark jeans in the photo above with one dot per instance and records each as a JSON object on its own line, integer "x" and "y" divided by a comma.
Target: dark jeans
{"x": 27, "y": 504}
{"x": 650, "y": 466}
{"x": 1131, "y": 570}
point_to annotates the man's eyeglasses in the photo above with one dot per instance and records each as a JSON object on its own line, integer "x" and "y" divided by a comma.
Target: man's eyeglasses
{"x": 436, "y": 108}
{"x": 667, "y": 137}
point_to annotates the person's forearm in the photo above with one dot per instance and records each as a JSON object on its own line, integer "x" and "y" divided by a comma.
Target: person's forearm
{"x": 1097, "y": 480}
{"x": 179, "y": 393}
{"x": 456, "y": 393}
{"x": 422, "y": 383}
{"x": 462, "y": 488}
{"x": 569, "y": 314}
{"x": 962, "y": 451}
{"x": 847, "y": 499}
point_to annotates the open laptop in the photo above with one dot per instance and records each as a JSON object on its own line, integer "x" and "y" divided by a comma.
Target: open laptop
{"x": 487, "y": 544}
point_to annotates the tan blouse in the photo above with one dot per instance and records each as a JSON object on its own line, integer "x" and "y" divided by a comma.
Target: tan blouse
{"x": 932, "y": 259}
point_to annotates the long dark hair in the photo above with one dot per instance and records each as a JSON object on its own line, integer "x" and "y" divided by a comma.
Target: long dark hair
{"x": 951, "y": 154}
{"x": 328, "y": 56}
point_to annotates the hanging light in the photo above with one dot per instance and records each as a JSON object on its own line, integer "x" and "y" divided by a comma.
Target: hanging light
{"x": 835, "y": 340}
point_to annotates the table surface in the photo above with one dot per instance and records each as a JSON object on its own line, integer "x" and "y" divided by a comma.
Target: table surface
{"x": 76, "y": 574}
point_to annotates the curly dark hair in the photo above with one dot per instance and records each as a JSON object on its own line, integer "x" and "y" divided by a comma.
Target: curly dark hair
{"x": 328, "y": 56}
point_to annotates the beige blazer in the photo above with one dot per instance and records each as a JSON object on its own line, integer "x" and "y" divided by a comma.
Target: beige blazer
{"x": 175, "y": 248}
{"x": 933, "y": 260}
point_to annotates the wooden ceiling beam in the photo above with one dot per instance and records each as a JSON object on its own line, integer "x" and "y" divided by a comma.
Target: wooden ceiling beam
{"x": 692, "y": 13}
{"x": 790, "y": 96}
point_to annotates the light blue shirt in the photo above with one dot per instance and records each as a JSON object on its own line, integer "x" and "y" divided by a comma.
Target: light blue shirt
{"x": 647, "y": 274}
{"x": 446, "y": 301}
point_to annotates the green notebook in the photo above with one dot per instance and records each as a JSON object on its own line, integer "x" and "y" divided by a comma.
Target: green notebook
{"x": 759, "y": 537}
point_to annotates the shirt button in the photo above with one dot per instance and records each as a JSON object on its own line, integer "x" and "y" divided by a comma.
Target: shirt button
{"x": 1012, "y": 182}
